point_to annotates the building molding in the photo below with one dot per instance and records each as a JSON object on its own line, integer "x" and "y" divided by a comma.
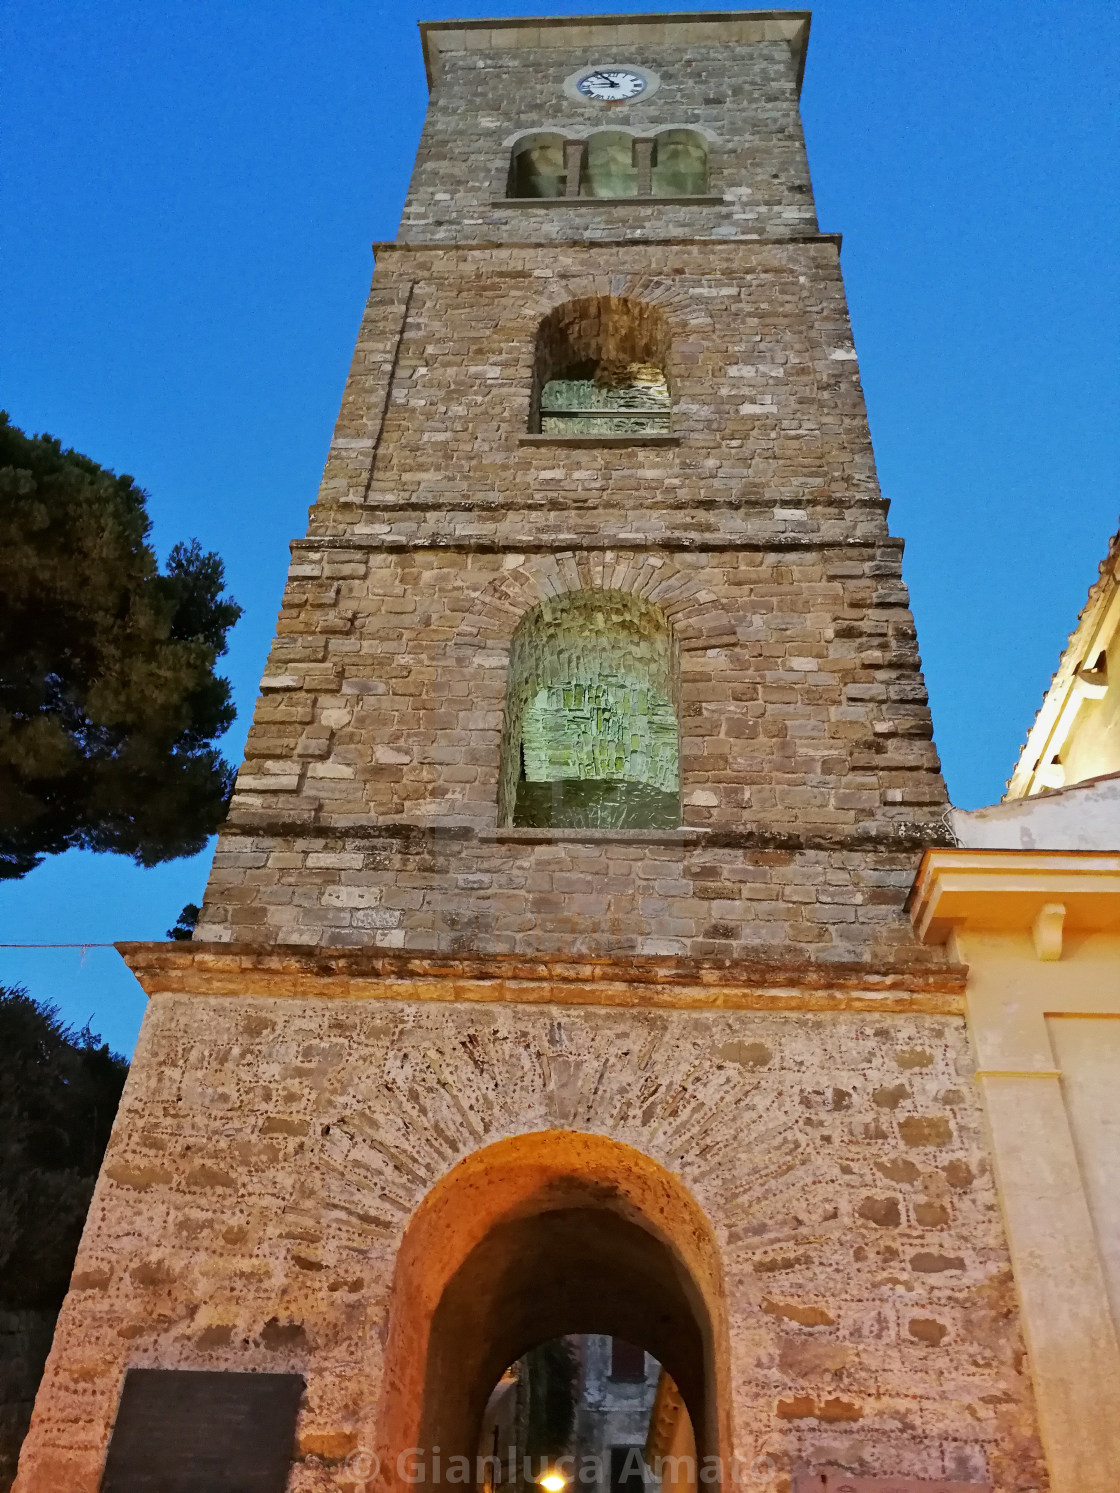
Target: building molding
{"x": 239, "y": 970}
{"x": 1012, "y": 891}
{"x": 564, "y": 543}
{"x": 1074, "y": 683}
{"x": 704, "y": 27}
{"x": 622, "y": 241}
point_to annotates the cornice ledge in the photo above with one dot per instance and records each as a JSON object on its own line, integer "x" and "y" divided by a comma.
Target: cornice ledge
{"x": 1016, "y": 891}
{"x": 624, "y": 240}
{"x": 897, "y": 838}
{"x": 587, "y": 543}
{"x": 277, "y": 970}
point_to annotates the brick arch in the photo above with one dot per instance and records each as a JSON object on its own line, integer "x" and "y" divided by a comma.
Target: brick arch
{"x": 660, "y": 291}
{"x": 675, "y": 584}
{"x": 531, "y": 1237}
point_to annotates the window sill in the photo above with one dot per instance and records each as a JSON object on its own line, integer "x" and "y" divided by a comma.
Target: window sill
{"x": 607, "y": 201}
{"x": 630, "y": 438}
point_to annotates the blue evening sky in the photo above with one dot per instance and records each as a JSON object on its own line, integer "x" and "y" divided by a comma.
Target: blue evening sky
{"x": 190, "y": 191}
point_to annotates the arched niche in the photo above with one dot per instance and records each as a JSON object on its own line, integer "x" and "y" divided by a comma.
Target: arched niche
{"x": 680, "y": 164}
{"x": 531, "y": 1238}
{"x": 591, "y": 732}
{"x": 537, "y": 167}
{"x": 609, "y": 168}
{"x": 601, "y": 367}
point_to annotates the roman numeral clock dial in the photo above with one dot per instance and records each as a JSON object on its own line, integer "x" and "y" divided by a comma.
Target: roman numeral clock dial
{"x": 612, "y": 84}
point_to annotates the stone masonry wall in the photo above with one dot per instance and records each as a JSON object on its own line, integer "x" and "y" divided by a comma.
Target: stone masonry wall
{"x": 743, "y": 97}
{"x": 269, "y": 1153}
{"x": 576, "y": 891}
{"x": 768, "y": 413}
{"x": 805, "y": 733}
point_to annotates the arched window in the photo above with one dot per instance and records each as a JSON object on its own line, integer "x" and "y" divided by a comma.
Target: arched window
{"x": 537, "y": 167}
{"x": 680, "y": 165}
{"x": 600, "y": 369}
{"x": 590, "y": 734}
{"x": 609, "y": 169}
{"x": 609, "y": 164}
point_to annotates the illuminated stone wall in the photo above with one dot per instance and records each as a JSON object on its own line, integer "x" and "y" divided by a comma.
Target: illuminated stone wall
{"x": 271, "y": 1150}
{"x": 375, "y": 804}
{"x": 742, "y": 97}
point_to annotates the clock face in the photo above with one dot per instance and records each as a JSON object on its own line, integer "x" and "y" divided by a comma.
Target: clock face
{"x": 611, "y": 84}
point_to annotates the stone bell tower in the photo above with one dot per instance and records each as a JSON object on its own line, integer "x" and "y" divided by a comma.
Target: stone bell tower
{"x": 554, "y": 974}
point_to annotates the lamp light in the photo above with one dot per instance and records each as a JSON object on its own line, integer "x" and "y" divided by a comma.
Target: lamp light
{"x": 553, "y": 1481}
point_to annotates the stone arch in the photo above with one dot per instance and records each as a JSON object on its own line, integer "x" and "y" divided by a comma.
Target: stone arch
{"x": 602, "y": 366}
{"x": 592, "y": 702}
{"x": 570, "y": 131}
{"x": 532, "y": 1237}
{"x": 678, "y": 309}
{"x": 675, "y": 584}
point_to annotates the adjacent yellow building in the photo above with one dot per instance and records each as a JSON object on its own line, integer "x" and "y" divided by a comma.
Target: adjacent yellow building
{"x": 1030, "y": 902}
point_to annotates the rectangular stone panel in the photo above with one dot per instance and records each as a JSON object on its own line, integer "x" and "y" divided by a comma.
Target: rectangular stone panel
{"x": 184, "y": 1431}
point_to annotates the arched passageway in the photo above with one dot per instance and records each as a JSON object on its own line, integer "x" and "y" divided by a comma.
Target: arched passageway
{"x": 530, "y": 1239}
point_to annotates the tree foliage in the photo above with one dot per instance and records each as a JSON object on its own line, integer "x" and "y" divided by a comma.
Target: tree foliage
{"x": 59, "y": 1091}
{"x": 186, "y": 922}
{"x": 109, "y": 703}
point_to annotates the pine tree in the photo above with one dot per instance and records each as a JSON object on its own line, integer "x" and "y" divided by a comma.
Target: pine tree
{"x": 109, "y": 703}
{"x": 59, "y": 1091}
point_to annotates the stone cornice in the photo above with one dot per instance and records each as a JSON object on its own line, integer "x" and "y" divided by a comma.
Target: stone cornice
{"x": 448, "y": 248}
{"x": 524, "y": 544}
{"x": 208, "y": 969}
{"x": 897, "y": 839}
{"x": 703, "y": 27}
{"x": 1041, "y": 892}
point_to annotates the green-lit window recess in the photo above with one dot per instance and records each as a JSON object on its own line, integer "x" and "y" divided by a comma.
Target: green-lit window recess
{"x": 680, "y": 165}
{"x": 537, "y": 168}
{"x": 609, "y": 164}
{"x": 591, "y": 734}
{"x": 601, "y": 368}
{"x": 609, "y": 169}
{"x": 609, "y": 399}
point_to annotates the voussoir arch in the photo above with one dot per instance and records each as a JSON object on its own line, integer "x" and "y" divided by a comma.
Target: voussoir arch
{"x": 639, "y": 1254}
{"x": 677, "y": 585}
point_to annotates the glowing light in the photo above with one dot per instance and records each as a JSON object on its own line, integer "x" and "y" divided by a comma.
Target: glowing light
{"x": 554, "y": 1482}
